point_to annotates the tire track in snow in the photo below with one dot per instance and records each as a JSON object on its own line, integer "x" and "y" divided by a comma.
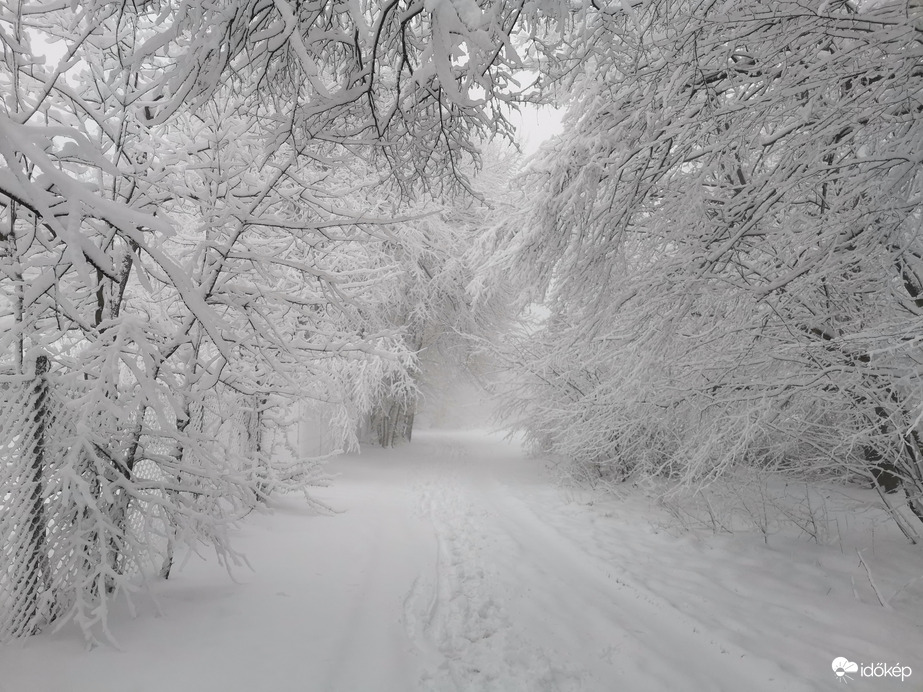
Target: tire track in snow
{"x": 641, "y": 636}
{"x": 457, "y": 612}
{"x": 512, "y": 604}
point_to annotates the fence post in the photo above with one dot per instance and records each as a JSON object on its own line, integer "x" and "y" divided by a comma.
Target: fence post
{"x": 38, "y": 570}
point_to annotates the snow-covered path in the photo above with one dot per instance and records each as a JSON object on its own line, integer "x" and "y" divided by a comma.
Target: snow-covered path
{"x": 453, "y": 564}
{"x": 512, "y": 603}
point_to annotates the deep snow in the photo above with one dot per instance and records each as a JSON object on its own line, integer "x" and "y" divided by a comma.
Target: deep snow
{"x": 454, "y": 563}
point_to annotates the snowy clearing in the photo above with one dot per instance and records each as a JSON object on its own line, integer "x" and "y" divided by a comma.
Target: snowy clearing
{"x": 455, "y": 563}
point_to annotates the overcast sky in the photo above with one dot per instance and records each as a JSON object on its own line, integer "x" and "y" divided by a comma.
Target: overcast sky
{"x": 535, "y": 125}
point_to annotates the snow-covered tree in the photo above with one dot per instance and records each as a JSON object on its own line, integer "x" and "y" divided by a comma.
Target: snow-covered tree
{"x": 438, "y": 297}
{"x": 727, "y": 234}
{"x": 189, "y": 200}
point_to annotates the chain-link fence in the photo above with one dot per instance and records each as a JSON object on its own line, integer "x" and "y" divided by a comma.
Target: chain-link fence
{"x": 27, "y": 523}
{"x": 94, "y": 492}
{"x": 91, "y": 501}
{"x": 50, "y": 493}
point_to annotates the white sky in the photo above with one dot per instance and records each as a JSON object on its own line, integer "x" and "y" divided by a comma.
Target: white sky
{"x": 534, "y": 125}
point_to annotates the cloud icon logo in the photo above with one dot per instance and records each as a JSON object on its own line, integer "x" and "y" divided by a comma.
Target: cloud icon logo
{"x": 841, "y": 666}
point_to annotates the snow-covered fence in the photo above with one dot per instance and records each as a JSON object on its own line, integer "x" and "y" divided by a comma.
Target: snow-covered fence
{"x": 98, "y": 483}
{"x": 26, "y": 415}
{"x": 61, "y": 493}
{"x": 92, "y": 498}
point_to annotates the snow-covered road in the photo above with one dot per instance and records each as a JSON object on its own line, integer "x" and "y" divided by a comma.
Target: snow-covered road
{"x": 512, "y": 603}
{"x": 454, "y": 564}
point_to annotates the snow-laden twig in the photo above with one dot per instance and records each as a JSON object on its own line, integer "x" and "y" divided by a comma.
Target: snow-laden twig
{"x": 901, "y": 590}
{"x": 881, "y": 599}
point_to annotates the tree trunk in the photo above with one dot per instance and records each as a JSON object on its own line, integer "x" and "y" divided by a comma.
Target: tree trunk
{"x": 392, "y": 422}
